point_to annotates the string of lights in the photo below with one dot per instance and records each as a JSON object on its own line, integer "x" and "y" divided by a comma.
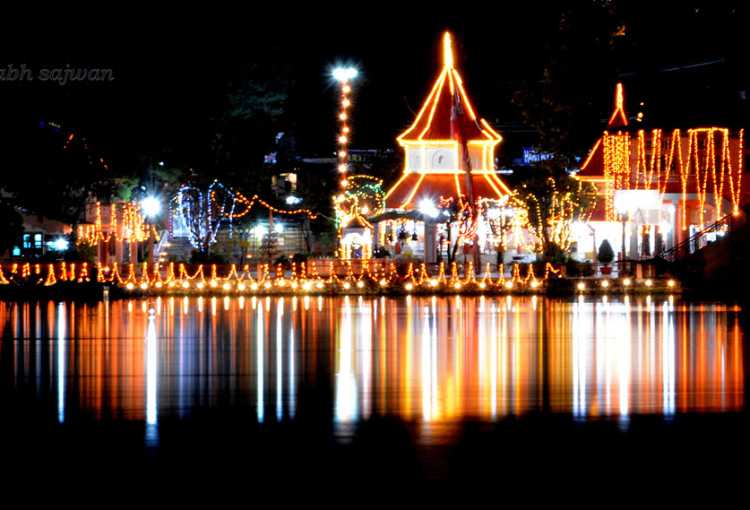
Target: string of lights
{"x": 126, "y": 223}
{"x": 369, "y": 276}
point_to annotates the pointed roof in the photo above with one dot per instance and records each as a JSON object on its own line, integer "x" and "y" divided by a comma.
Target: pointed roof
{"x": 618, "y": 117}
{"x": 433, "y": 121}
{"x": 592, "y": 167}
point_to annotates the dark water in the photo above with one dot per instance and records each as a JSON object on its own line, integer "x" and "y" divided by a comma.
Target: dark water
{"x": 412, "y": 387}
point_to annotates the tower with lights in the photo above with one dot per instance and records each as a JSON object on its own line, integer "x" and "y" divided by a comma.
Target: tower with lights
{"x": 449, "y": 162}
{"x": 449, "y": 150}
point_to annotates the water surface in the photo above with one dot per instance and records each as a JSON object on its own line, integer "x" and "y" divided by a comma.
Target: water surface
{"x": 323, "y": 373}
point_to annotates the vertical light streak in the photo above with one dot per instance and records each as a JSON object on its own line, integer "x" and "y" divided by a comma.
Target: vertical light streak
{"x": 669, "y": 361}
{"x": 152, "y": 417}
{"x": 61, "y": 359}
{"x": 279, "y": 369}
{"x": 346, "y": 384}
{"x": 259, "y": 359}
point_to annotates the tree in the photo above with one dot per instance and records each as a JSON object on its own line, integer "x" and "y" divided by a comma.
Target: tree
{"x": 202, "y": 211}
{"x": 559, "y": 103}
{"x": 245, "y": 130}
{"x": 54, "y": 171}
{"x": 11, "y": 228}
{"x": 606, "y": 254}
{"x": 552, "y": 205}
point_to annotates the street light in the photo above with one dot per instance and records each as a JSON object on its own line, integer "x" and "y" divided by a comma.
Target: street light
{"x": 151, "y": 206}
{"x": 343, "y": 74}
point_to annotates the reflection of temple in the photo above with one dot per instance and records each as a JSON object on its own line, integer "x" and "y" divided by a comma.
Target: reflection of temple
{"x": 657, "y": 188}
{"x": 449, "y": 160}
{"x": 439, "y": 360}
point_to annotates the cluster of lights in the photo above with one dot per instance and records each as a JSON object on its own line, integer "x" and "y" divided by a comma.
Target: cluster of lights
{"x": 626, "y": 282}
{"x": 126, "y": 223}
{"x": 45, "y": 274}
{"x": 556, "y": 216}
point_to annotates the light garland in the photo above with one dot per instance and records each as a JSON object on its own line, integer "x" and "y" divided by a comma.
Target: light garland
{"x": 126, "y": 223}
{"x": 370, "y": 277}
{"x": 344, "y": 135}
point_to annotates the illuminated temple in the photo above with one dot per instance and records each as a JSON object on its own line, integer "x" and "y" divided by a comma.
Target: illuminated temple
{"x": 449, "y": 158}
{"x": 658, "y": 188}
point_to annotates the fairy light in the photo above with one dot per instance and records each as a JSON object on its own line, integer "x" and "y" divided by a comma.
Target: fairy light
{"x": 158, "y": 279}
{"x": 126, "y": 223}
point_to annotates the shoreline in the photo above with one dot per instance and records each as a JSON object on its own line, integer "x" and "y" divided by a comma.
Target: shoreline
{"x": 554, "y": 287}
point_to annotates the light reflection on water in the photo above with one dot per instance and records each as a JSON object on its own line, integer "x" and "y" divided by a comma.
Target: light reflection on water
{"x": 432, "y": 360}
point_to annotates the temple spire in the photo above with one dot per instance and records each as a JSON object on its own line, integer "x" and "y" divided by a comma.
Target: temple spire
{"x": 447, "y": 51}
{"x": 618, "y": 118}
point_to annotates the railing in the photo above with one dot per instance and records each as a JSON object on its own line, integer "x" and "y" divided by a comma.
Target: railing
{"x": 684, "y": 248}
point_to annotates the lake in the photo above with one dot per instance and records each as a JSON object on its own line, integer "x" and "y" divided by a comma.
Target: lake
{"x": 422, "y": 387}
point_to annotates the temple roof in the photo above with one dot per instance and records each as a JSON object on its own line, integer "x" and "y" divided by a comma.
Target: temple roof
{"x": 448, "y": 98}
{"x": 593, "y": 166}
{"x": 413, "y": 187}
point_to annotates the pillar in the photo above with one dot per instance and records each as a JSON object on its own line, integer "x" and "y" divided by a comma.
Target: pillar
{"x": 430, "y": 243}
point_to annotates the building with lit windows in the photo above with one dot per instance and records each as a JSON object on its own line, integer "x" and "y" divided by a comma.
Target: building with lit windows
{"x": 657, "y": 189}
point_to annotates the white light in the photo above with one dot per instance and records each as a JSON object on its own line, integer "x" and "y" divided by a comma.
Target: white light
{"x": 259, "y": 231}
{"x": 493, "y": 213}
{"x": 427, "y": 207}
{"x": 628, "y": 201}
{"x": 344, "y": 74}
{"x": 151, "y": 206}
{"x": 278, "y": 228}
{"x": 59, "y": 244}
{"x": 292, "y": 200}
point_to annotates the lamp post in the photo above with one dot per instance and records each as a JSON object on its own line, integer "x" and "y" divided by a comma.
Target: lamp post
{"x": 344, "y": 77}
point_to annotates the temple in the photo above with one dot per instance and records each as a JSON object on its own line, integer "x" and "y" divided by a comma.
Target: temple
{"x": 449, "y": 158}
{"x": 657, "y": 188}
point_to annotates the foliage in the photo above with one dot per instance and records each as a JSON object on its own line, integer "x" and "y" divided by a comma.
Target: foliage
{"x": 553, "y": 205}
{"x": 199, "y": 257}
{"x": 253, "y": 114}
{"x": 606, "y": 254}
{"x": 557, "y": 104}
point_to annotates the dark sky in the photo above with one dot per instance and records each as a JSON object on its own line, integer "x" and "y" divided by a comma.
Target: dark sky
{"x": 171, "y": 69}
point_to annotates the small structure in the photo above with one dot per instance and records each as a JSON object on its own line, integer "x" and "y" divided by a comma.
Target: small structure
{"x": 657, "y": 188}
{"x": 41, "y": 236}
{"x": 356, "y": 237}
{"x": 449, "y": 163}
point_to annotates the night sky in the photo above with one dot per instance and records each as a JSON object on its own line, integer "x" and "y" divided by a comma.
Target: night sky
{"x": 172, "y": 69}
